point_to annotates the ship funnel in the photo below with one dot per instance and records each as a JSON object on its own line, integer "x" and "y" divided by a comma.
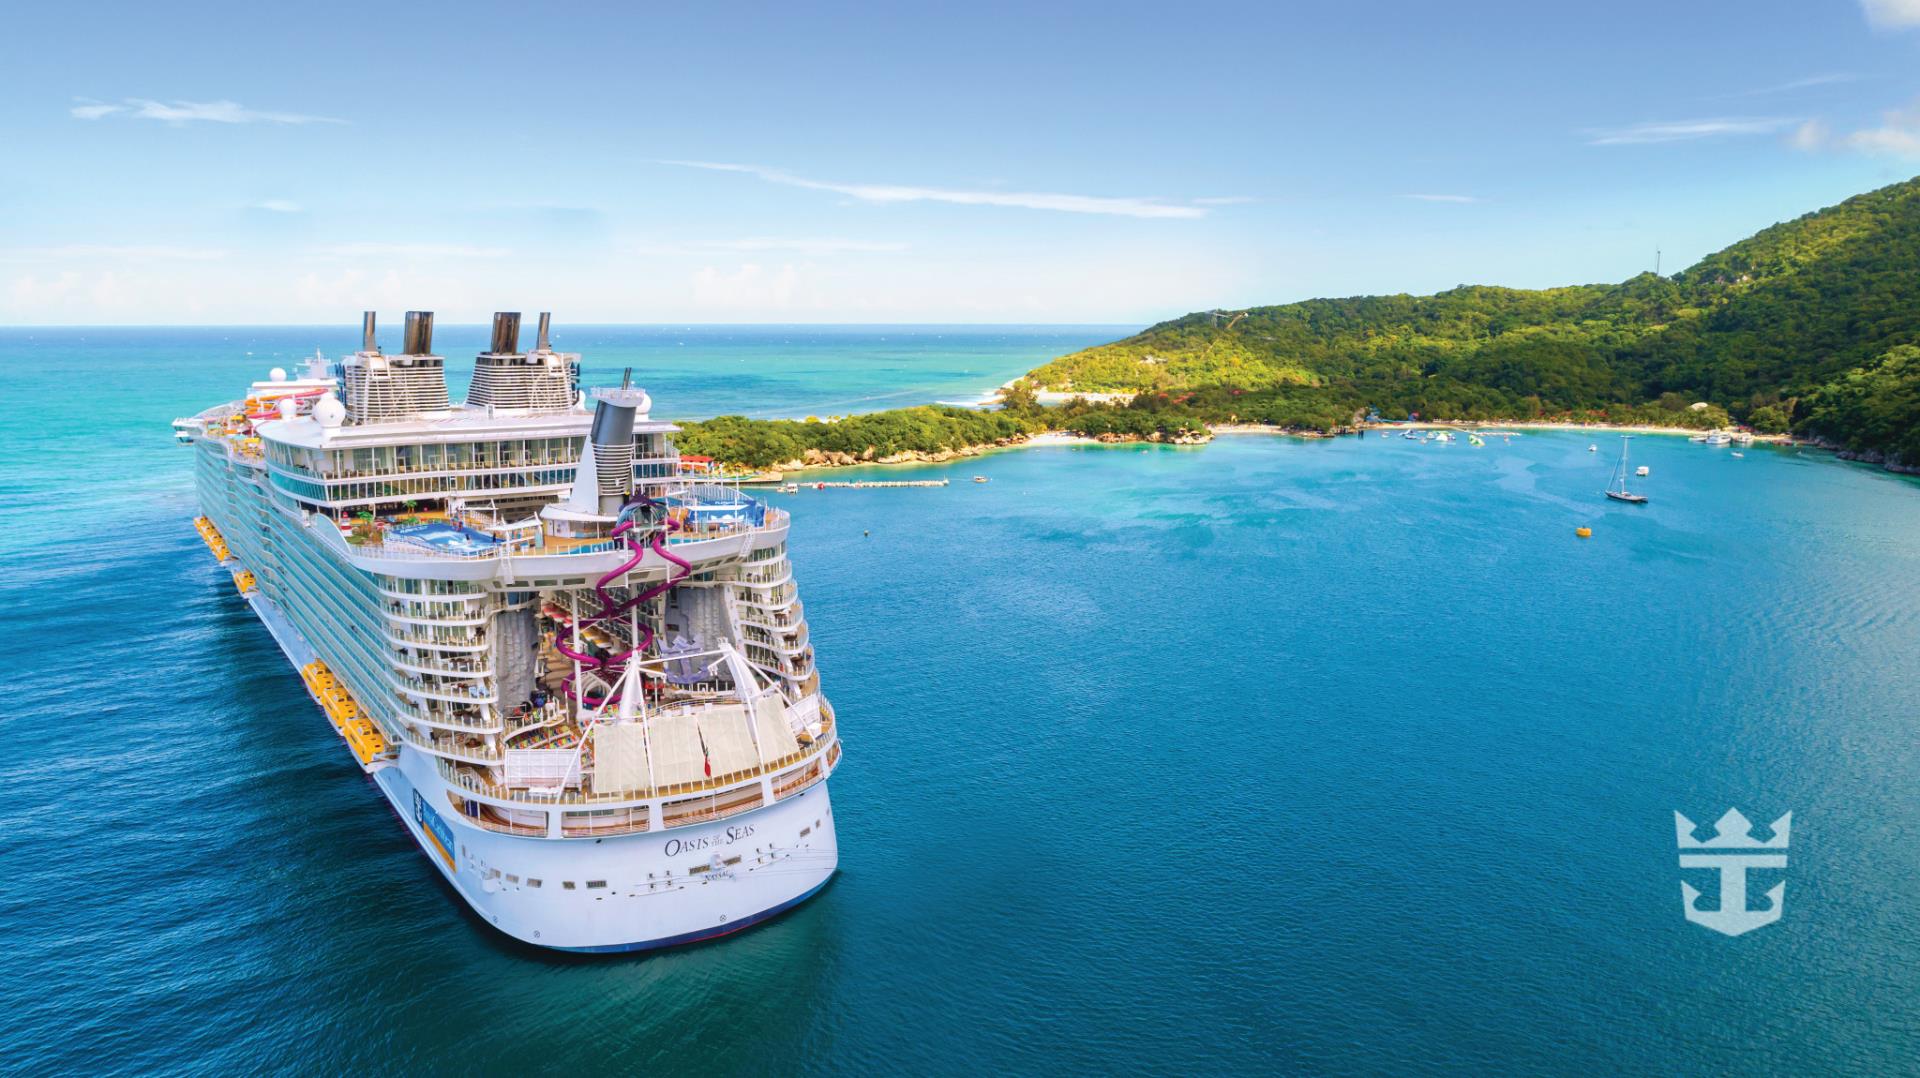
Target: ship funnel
{"x": 546, "y": 323}
{"x": 603, "y": 482}
{"x": 506, "y": 333}
{"x": 381, "y": 389}
{"x": 419, "y": 334}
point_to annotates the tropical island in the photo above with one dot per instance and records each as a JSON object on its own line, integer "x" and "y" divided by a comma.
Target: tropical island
{"x": 1810, "y": 327}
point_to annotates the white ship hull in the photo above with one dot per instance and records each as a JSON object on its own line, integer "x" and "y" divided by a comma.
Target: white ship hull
{"x": 648, "y": 894}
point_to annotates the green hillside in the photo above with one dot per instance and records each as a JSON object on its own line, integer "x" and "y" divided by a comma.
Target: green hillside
{"x": 1797, "y": 326}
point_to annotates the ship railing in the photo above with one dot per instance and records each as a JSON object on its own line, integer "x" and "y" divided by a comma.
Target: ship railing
{"x": 470, "y": 641}
{"x": 799, "y": 668}
{"x": 764, "y": 578}
{"x": 779, "y": 595}
{"x": 448, "y": 748}
{"x": 777, "y": 619}
{"x": 403, "y": 551}
{"x": 790, "y": 641}
{"x": 493, "y": 818}
{"x": 466, "y": 719}
{"x": 455, "y": 667}
{"x": 343, "y": 474}
{"x": 572, "y": 795}
{"x": 421, "y": 689}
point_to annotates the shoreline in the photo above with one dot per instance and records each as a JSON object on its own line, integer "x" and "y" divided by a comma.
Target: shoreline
{"x": 821, "y": 461}
{"x": 1483, "y": 426}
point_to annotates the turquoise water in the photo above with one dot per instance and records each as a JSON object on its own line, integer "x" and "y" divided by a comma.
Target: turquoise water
{"x": 1338, "y": 756}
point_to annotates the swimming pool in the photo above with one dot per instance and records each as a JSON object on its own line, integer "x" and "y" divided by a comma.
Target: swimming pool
{"x": 448, "y": 538}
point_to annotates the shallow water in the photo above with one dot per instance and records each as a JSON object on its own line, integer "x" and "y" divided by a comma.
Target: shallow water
{"x": 1338, "y": 756}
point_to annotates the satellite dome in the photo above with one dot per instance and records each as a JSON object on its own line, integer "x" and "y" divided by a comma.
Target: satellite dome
{"x": 329, "y": 412}
{"x": 278, "y": 374}
{"x": 289, "y": 407}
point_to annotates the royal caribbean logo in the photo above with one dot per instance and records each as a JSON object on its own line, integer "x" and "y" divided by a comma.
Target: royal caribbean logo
{"x": 1733, "y": 851}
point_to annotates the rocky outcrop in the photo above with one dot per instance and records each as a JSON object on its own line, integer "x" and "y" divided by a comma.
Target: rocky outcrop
{"x": 1185, "y": 437}
{"x": 1868, "y": 456}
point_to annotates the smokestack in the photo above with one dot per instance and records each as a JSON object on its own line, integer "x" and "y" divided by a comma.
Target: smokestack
{"x": 546, "y": 323}
{"x": 419, "y": 334}
{"x": 506, "y": 333}
{"x": 367, "y": 342}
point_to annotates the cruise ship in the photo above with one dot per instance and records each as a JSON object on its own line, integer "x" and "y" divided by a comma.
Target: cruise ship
{"x": 575, "y": 665}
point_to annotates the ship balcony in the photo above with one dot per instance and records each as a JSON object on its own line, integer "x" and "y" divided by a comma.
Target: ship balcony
{"x": 796, "y": 667}
{"x": 439, "y": 597}
{"x": 397, "y": 470}
{"x": 459, "y": 668}
{"x": 770, "y": 598}
{"x": 764, "y": 578}
{"x": 459, "y": 722}
{"x": 425, "y": 614}
{"x": 787, "y": 641}
{"x": 448, "y": 641}
{"x": 779, "y": 619}
{"x": 461, "y": 748}
{"x": 425, "y": 689}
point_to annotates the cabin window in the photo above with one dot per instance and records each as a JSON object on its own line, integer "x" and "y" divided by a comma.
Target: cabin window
{"x": 568, "y": 884}
{"x": 596, "y": 883}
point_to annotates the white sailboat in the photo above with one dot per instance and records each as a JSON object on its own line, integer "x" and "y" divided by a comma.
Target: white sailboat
{"x": 1617, "y": 490}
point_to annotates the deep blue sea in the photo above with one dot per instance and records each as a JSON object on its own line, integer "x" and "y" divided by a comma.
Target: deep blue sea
{"x": 1266, "y": 756}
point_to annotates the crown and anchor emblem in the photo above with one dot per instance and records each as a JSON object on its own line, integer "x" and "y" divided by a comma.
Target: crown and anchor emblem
{"x": 1733, "y": 850}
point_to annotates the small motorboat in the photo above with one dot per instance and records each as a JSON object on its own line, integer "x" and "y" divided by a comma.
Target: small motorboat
{"x": 1739, "y": 454}
{"x": 1641, "y": 471}
{"x": 980, "y": 479}
{"x": 1593, "y": 447}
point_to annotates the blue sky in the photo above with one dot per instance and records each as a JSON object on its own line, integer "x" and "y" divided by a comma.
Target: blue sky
{"x": 976, "y": 163}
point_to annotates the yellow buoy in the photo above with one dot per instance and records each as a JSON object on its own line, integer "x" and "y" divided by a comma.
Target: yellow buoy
{"x": 1583, "y": 532}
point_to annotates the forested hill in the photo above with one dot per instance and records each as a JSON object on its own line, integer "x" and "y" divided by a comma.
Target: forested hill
{"x": 1812, "y": 324}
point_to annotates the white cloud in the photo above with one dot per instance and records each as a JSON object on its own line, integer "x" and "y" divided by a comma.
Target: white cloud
{"x": 1445, "y": 198}
{"x": 112, "y": 252}
{"x": 750, "y": 287}
{"x": 411, "y": 250}
{"x": 818, "y": 246}
{"x": 183, "y": 112}
{"x": 1897, "y": 136}
{"x": 1031, "y": 200}
{"x": 1225, "y": 200}
{"x": 278, "y": 205}
{"x": 1811, "y": 135}
{"x": 1807, "y": 83}
{"x": 1686, "y": 130}
{"x": 1893, "y": 14}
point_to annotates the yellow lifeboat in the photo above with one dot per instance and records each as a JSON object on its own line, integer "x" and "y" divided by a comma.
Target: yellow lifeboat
{"x": 213, "y": 539}
{"x": 1583, "y": 532}
{"x": 360, "y": 734}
